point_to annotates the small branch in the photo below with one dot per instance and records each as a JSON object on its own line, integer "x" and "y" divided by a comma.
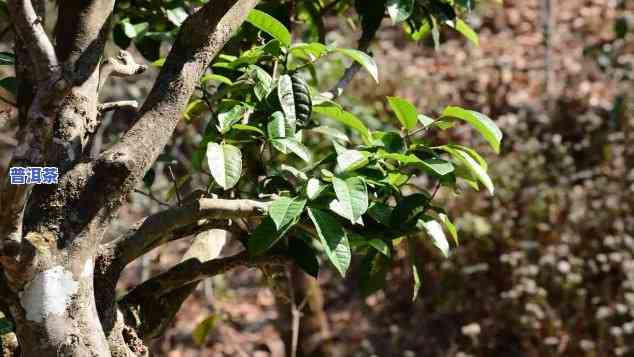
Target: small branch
{"x": 354, "y": 68}
{"x": 123, "y": 65}
{"x": 345, "y": 80}
{"x": 176, "y": 189}
{"x": 31, "y": 30}
{"x": 193, "y": 270}
{"x": 151, "y": 196}
{"x": 167, "y": 291}
{"x": 162, "y": 227}
{"x": 122, "y": 104}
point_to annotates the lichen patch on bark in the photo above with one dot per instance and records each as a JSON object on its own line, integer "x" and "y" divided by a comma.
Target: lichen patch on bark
{"x": 49, "y": 293}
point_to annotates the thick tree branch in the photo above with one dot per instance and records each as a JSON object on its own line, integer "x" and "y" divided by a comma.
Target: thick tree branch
{"x": 31, "y": 30}
{"x": 162, "y": 227}
{"x": 81, "y": 31}
{"x": 167, "y": 291}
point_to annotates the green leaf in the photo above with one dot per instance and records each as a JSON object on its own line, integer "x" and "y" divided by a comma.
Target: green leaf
{"x": 450, "y": 227}
{"x": 286, "y": 209}
{"x": 263, "y": 82}
{"x": 415, "y": 265}
{"x": 225, "y": 164}
{"x": 265, "y": 236}
{"x": 270, "y": 25}
{"x": 380, "y": 212}
{"x": 405, "y": 112}
{"x": 251, "y": 128}
{"x": 478, "y": 171}
{"x": 276, "y": 127}
{"x": 334, "y": 239}
{"x": 474, "y": 167}
{"x": 350, "y": 160}
{"x": 435, "y": 232}
{"x": 421, "y": 32}
{"x": 159, "y": 63}
{"x": 346, "y": 118}
{"x": 434, "y": 164}
{"x": 227, "y": 118}
{"x": 435, "y": 33}
{"x": 284, "y": 144}
{"x": 363, "y": 59}
{"x": 425, "y": 120}
{"x": 374, "y": 269}
{"x": 176, "y": 15}
{"x": 287, "y": 101}
{"x": 207, "y": 245}
{"x": 314, "y": 187}
{"x": 194, "y": 109}
{"x": 390, "y": 141}
{"x": 309, "y": 51}
{"x": 400, "y": 10}
{"x": 409, "y": 209}
{"x": 215, "y": 77}
{"x": 465, "y": 30}
{"x": 471, "y": 152}
{"x": 352, "y": 195}
{"x": 7, "y": 58}
{"x": 380, "y": 246}
{"x": 332, "y": 132}
{"x": 128, "y": 28}
{"x": 480, "y": 122}
{"x": 293, "y": 171}
{"x": 10, "y": 84}
{"x": 203, "y": 328}
{"x": 304, "y": 256}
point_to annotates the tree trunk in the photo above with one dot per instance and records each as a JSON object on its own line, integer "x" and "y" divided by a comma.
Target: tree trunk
{"x": 54, "y": 311}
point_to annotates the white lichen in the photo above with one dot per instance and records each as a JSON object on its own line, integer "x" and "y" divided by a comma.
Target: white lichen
{"x": 88, "y": 268}
{"x": 49, "y": 293}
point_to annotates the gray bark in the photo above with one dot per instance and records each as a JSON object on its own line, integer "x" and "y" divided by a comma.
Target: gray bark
{"x": 57, "y": 281}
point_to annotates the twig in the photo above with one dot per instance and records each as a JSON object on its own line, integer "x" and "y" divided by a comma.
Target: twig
{"x": 106, "y": 107}
{"x": 173, "y": 179}
{"x": 151, "y": 196}
{"x": 295, "y": 314}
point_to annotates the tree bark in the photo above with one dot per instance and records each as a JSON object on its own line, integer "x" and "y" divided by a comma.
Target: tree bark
{"x": 50, "y": 235}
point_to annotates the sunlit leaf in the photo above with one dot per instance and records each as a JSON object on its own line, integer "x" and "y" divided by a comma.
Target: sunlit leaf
{"x": 225, "y": 164}
{"x": 352, "y": 195}
{"x": 400, "y": 10}
{"x": 270, "y": 25}
{"x": 285, "y": 209}
{"x": 346, "y": 118}
{"x": 479, "y": 121}
{"x": 405, "y": 111}
{"x": 363, "y": 59}
{"x": 334, "y": 239}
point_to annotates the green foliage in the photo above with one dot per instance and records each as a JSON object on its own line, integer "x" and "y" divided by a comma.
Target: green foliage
{"x": 272, "y": 130}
